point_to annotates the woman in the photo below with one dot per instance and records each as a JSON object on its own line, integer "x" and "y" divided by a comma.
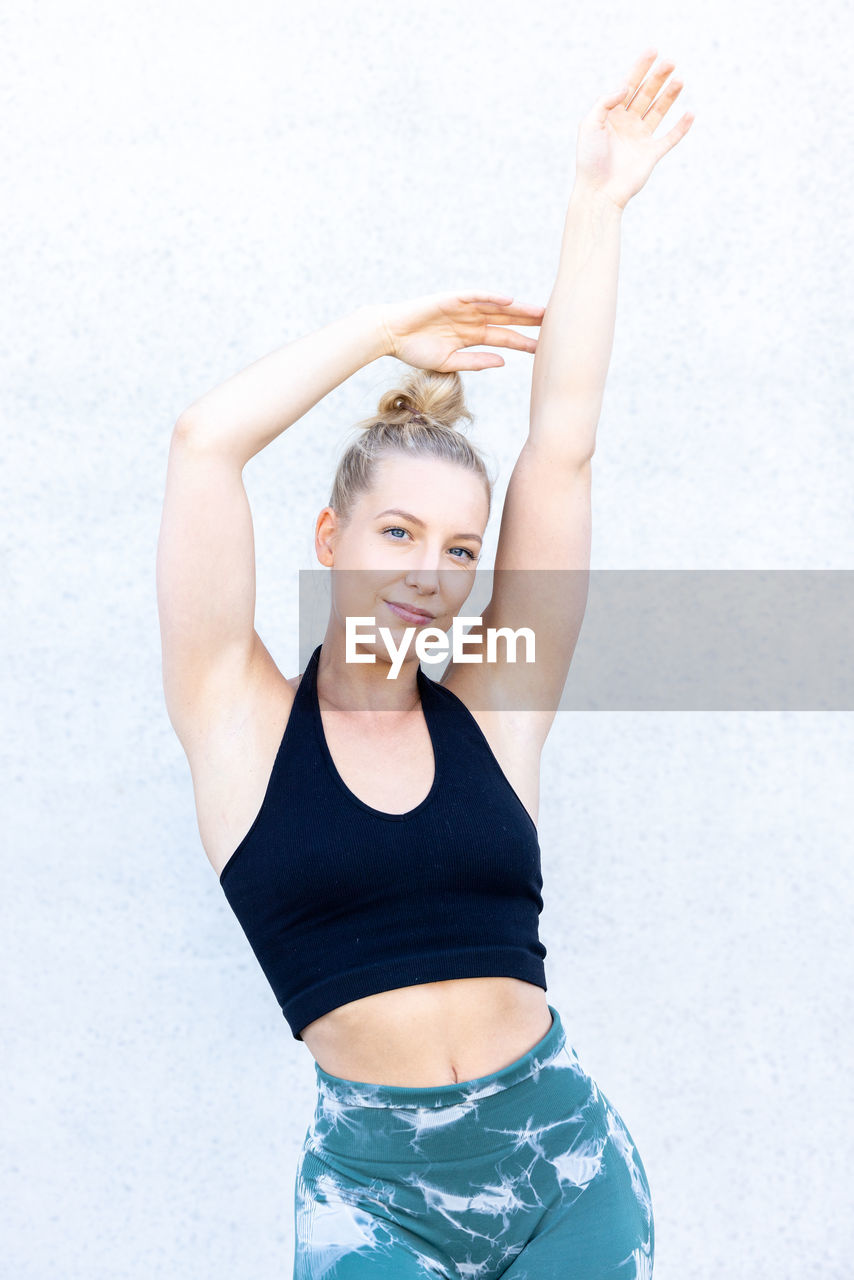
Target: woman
{"x": 377, "y": 837}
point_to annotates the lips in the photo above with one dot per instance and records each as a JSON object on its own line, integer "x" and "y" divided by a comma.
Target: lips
{"x": 409, "y": 613}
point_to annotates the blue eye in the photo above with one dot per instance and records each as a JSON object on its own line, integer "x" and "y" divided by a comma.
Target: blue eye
{"x": 396, "y": 528}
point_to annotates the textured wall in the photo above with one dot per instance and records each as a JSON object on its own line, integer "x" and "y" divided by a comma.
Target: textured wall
{"x": 191, "y": 185}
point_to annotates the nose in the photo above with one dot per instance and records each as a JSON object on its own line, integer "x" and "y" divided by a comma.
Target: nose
{"x": 425, "y": 580}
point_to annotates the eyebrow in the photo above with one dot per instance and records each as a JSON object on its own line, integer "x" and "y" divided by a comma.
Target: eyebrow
{"x": 407, "y": 515}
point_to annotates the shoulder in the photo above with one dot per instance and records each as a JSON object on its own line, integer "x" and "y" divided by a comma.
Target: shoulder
{"x": 480, "y": 691}
{"x": 231, "y": 754}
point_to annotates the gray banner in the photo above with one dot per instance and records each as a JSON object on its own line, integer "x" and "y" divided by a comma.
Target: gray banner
{"x": 613, "y": 640}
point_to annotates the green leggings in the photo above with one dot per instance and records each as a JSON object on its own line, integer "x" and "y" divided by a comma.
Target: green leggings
{"x": 527, "y": 1174}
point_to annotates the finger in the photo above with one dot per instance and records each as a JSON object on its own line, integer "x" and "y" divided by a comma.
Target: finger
{"x": 516, "y": 315}
{"x": 496, "y": 336}
{"x": 639, "y": 68}
{"x": 609, "y": 101}
{"x": 462, "y": 361}
{"x": 488, "y": 302}
{"x": 485, "y": 297}
{"x": 650, "y": 87}
{"x": 662, "y": 105}
{"x": 676, "y": 134}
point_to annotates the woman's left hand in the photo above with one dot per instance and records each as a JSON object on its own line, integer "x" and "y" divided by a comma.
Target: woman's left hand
{"x": 616, "y": 151}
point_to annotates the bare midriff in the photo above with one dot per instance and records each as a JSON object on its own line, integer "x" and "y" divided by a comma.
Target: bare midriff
{"x": 433, "y": 1033}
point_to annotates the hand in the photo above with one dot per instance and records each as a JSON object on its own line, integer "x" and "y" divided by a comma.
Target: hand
{"x": 429, "y": 332}
{"x": 616, "y": 151}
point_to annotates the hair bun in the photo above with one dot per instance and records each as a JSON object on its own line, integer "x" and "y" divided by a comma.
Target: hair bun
{"x": 408, "y": 405}
{"x": 423, "y": 398}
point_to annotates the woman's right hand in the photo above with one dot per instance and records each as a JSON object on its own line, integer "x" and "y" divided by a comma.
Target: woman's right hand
{"x": 430, "y": 332}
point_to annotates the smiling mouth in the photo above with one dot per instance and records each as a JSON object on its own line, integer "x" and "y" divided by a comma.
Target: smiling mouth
{"x": 409, "y": 615}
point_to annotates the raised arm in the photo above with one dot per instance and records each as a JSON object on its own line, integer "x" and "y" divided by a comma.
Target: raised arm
{"x": 206, "y": 551}
{"x": 615, "y": 154}
{"x": 546, "y": 519}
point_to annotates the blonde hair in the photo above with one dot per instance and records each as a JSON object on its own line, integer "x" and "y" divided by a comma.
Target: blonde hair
{"x": 415, "y": 418}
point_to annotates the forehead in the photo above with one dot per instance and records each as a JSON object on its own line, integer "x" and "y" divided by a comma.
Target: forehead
{"x": 427, "y": 480}
{"x": 398, "y": 463}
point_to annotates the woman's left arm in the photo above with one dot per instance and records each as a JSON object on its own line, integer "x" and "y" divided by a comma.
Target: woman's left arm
{"x": 577, "y": 332}
{"x": 546, "y": 518}
{"x": 616, "y": 152}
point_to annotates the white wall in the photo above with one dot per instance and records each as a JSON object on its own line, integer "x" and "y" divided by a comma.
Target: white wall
{"x": 191, "y": 185}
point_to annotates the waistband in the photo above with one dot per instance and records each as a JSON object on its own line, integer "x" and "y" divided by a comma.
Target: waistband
{"x": 356, "y": 1093}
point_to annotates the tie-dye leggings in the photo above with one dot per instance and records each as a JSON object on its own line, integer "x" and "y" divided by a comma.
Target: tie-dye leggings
{"x": 527, "y": 1174}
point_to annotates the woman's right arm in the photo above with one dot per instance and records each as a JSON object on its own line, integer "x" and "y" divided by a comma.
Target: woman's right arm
{"x": 205, "y": 551}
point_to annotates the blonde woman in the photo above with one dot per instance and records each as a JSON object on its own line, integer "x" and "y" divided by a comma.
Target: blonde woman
{"x": 376, "y": 837}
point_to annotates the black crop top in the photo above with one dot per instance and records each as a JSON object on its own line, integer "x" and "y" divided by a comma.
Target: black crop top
{"x": 339, "y": 900}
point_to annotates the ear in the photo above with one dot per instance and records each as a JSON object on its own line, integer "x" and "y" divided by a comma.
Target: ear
{"x": 326, "y": 530}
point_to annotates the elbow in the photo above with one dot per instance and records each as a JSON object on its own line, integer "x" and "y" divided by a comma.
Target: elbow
{"x": 184, "y": 424}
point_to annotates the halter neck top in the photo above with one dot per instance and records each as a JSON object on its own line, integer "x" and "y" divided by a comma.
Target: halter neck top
{"x": 340, "y": 900}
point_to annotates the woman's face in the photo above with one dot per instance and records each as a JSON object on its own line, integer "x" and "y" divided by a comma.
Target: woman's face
{"x": 414, "y": 539}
